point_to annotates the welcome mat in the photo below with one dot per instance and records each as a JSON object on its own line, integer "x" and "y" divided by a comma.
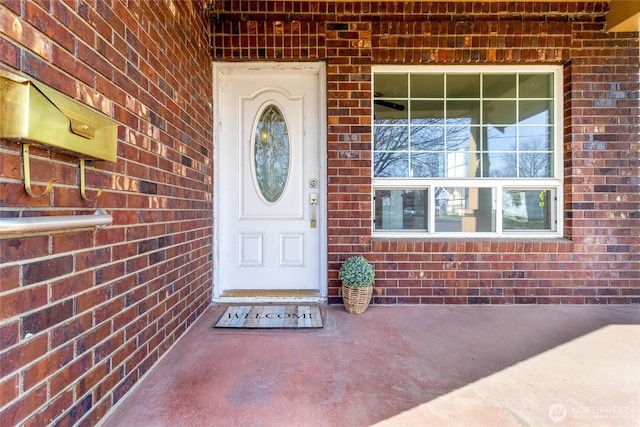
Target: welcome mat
{"x": 270, "y": 316}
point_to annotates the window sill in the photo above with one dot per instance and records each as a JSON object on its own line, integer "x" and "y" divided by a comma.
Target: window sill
{"x": 501, "y": 244}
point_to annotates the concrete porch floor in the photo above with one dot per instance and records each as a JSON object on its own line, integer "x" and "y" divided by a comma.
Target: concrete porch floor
{"x": 402, "y": 366}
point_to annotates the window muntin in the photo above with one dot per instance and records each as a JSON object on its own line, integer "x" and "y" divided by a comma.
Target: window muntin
{"x": 473, "y": 133}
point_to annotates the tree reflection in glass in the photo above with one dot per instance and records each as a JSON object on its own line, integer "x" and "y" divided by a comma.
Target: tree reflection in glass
{"x": 271, "y": 153}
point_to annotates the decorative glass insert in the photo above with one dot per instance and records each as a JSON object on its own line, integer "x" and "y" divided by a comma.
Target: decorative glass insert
{"x": 271, "y": 153}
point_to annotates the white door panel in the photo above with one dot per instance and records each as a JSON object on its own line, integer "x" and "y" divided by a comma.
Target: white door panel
{"x": 252, "y": 204}
{"x": 269, "y": 232}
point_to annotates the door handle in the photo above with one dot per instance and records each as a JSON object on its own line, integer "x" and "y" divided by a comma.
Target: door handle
{"x": 313, "y": 201}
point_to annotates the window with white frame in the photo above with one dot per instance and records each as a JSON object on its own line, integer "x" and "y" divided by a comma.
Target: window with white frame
{"x": 467, "y": 151}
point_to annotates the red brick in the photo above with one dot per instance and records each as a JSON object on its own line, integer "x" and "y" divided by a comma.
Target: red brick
{"x": 96, "y": 413}
{"x": 91, "y": 378}
{"x": 108, "y": 311}
{"x": 55, "y": 407}
{"x": 9, "y": 54}
{"x": 23, "y": 354}
{"x": 92, "y": 338}
{"x": 67, "y": 331}
{"x": 67, "y": 287}
{"x": 169, "y": 126}
{"x": 70, "y": 20}
{"x": 9, "y": 278}
{"x": 35, "y": 322}
{"x": 43, "y": 71}
{"x": 65, "y": 242}
{"x": 67, "y": 376}
{"x": 124, "y": 386}
{"x": 9, "y": 334}
{"x": 46, "y": 24}
{"x": 22, "y": 300}
{"x": 9, "y": 389}
{"x": 17, "y": 249}
{"x": 19, "y": 410}
{"x": 92, "y": 258}
{"x": 14, "y": 194}
{"x": 27, "y": 36}
{"x": 47, "y": 366}
{"x": 92, "y": 298}
{"x": 46, "y": 269}
{"x": 67, "y": 62}
{"x": 106, "y": 348}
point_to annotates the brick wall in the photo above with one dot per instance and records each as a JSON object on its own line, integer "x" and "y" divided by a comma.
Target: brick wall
{"x": 597, "y": 262}
{"x": 85, "y": 313}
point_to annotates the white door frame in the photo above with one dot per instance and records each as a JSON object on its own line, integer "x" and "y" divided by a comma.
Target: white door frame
{"x": 318, "y": 68}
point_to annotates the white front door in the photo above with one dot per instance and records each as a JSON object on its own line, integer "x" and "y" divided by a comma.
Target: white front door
{"x": 269, "y": 180}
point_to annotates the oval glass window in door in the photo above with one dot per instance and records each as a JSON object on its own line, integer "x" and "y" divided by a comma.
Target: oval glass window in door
{"x": 271, "y": 153}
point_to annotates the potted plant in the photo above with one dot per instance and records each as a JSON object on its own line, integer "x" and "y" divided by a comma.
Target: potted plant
{"x": 357, "y": 275}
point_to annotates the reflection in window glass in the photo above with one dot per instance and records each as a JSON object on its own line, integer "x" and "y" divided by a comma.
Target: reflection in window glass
{"x": 401, "y": 209}
{"x": 501, "y": 165}
{"x": 390, "y": 112}
{"x": 427, "y": 164}
{"x": 536, "y": 138}
{"x": 458, "y": 165}
{"x": 464, "y": 209}
{"x": 464, "y": 136}
{"x": 427, "y": 112}
{"x": 499, "y": 112}
{"x": 501, "y": 138}
{"x": 535, "y": 112}
{"x": 536, "y": 85}
{"x": 427, "y": 138}
{"x": 526, "y": 209}
{"x": 391, "y": 163}
{"x": 534, "y": 165}
{"x": 463, "y": 86}
{"x": 479, "y": 119}
{"x": 427, "y": 85}
{"x": 391, "y": 85}
{"x": 463, "y": 112}
{"x": 499, "y": 86}
{"x": 391, "y": 138}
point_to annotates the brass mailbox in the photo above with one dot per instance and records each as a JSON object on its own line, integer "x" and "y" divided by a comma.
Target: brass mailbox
{"x": 33, "y": 113}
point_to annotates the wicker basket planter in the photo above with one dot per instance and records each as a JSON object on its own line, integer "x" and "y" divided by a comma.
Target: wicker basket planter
{"x": 356, "y": 300}
{"x": 357, "y": 276}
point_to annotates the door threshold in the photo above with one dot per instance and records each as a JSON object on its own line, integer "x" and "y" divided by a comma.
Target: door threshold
{"x": 259, "y": 295}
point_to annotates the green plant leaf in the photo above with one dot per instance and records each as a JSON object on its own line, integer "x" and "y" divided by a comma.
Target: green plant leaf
{"x": 357, "y": 272}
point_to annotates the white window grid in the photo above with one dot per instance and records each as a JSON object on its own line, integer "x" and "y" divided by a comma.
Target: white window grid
{"x": 554, "y": 183}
